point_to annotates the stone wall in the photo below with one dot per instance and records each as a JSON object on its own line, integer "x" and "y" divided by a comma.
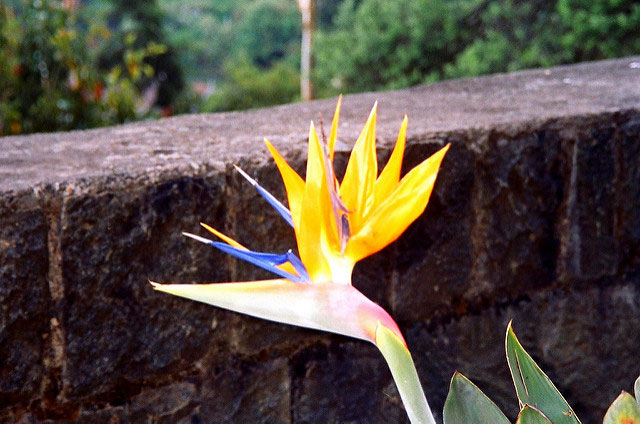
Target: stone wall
{"x": 535, "y": 217}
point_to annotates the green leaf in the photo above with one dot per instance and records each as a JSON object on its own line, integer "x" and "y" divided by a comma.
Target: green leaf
{"x": 404, "y": 373}
{"x": 531, "y": 415}
{"x": 624, "y": 410}
{"x": 637, "y": 390}
{"x": 533, "y": 387}
{"x": 467, "y": 404}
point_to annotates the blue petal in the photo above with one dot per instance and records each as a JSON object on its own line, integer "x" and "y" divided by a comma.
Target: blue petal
{"x": 298, "y": 265}
{"x": 275, "y": 203}
{"x": 268, "y": 261}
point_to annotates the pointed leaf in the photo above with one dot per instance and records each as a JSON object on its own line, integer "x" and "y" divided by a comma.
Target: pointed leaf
{"x": 404, "y": 373}
{"x": 624, "y": 410}
{"x": 531, "y": 415}
{"x": 533, "y": 387}
{"x": 467, "y": 404}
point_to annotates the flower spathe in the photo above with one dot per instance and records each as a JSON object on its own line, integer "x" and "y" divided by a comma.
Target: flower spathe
{"x": 336, "y": 225}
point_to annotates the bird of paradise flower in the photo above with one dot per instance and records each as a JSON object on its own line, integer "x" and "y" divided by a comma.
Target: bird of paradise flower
{"x": 336, "y": 225}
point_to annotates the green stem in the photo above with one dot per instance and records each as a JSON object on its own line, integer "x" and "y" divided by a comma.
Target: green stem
{"x": 405, "y": 375}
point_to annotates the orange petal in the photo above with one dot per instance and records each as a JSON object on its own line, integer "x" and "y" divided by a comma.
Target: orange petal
{"x": 317, "y": 229}
{"x": 398, "y": 211}
{"x": 390, "y": 175}
{"x": 293, "y": 183}
{"x": 357, "y": 186}
{"x": 334, "y": 129}
{"x": 285, "y": 266}
{"x": 227, "y": 239}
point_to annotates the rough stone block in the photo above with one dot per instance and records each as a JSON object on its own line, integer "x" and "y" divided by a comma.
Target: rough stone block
{"x": 517, "y": 192}
{"x": 344, "y": 382}
{"x": 237, "y": 392}
{"x": 119, "y": 332}
{"x": 25, "y": 301}
{"x": 434, "y": 256}
{"x": 589, "y": 246}
{"x": 256, "y": 391}
{"x": 628, "y": 198}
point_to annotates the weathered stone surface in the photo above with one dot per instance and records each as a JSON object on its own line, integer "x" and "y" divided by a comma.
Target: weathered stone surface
{"x": 119, "y": 332}
{"x": 518, "y": 101}
{"x": 518, "y": 192}
{"x": 250, "y": 391}
{"x": 24, "y": 299}
{"x": 535, "y": 216}
{"x": 628, "y": 198}
{"x": 589, "y": 248}
{"x": 243, "y": 392}
{"x": 435, "y": 254}
{"x": 344, "y": 383}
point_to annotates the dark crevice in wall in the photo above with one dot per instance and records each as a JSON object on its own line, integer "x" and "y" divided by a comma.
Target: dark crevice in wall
{"x": 54, "y": 404}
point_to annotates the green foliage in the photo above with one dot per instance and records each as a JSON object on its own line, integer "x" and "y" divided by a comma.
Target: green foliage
{"x": 49, "y": 81}
{"x": 246, "y": 86}
{"x": 210, "y": 35}
{"x": 380, "y": 45}
{"x": 467, "y": 404}
{"x": 45, "y": 84}
{"x": 531, "y": 415}
{"x": 144, "y": 19}
{"x": 269, "y": 31}
{"x": 510, "y": 35}
{"x": 79, "y": 69}
{"x": 202, "y": 33}
{"x": 539, "y": 400}
{"x": 376, "y": 44}
{"x": 599, "y": 29}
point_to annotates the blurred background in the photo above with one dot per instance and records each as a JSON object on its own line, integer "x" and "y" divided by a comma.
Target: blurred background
{"x": 75, "y": 64}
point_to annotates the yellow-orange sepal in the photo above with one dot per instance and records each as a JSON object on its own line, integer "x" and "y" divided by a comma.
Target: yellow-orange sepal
{"x": 397, "y": 211}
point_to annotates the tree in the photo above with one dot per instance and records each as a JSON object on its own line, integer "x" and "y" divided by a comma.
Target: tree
{"x": 202, "y": 33}
{"x": 48, "y": 78}
{"x": 307, "y": 11}
{"x": 378, "y": 44}
{"x": 268, "y": 31}
{"x": 599, "y": 29}
{"x": 246, "y": 86}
